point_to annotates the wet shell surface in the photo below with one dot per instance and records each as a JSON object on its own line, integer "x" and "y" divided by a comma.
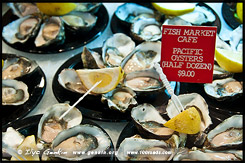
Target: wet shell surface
{"x": 14, "y": 92}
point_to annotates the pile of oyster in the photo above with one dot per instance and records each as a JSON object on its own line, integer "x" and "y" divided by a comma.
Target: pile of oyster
{"x": 145, "y": 23}
{"x": 157, "y": 142}
{"x": 66, "y": 135}
{"x": 139, "y": 78}
{"x": 14, "y": 91}
{"x": 47, "y": 30}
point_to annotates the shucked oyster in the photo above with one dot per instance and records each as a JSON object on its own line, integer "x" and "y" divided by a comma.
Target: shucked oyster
{"x": 116, "y": 48}
{"x": 137, "y": 148}
{"x": 50, "y": 125}
{"x": 88, "y": 7}
{"x": 51, "y": 31}
{"x": 224, "y": 89}
{"x": 228, "y": 134}
{"x": 23, "y": 9}
{"x": 14, "y": 92}
{"x": 21, "y": 29}
{"x": 87, "y": 139}
{"x": 91, "y": 59}
{"x": 120, "y": 99}
{"x": 142, "y": 57}
{"x": 15, "y": 67}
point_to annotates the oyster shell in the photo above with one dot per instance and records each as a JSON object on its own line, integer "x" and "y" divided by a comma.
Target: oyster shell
{"x": 91, "y": 59}
{"x": 220, "y": 73}
{"x": 88, "y": 7}
{"x": 84, "y": 138}
{"x": 51, "y": 31}
{"x": 236, "y": 39}
{"x": 23, "y": 9}
{"x": 15, "y": 67}
{"x": 176, "y": 21}
{"x": 49, "y": 125}
{"x": 137, "y": 148}
{"x": 120, "y": 99}
{"x": 149, "y": 122}
{"x": 116, "y": 48}
{"x": 146, "y": 30}
{"x": 142, "y": 57}
{"x": 79, "y": 21}
{"x": 143, "y": 81}
{"x": 228, "y": 134}
{"x": 201, "y": 15}
{"x": 224, "y": 89}
{"x": 129, "y": 12}
{"x": 21, "y": 29}
{"x": 14, "y": 92}
{"x": 207, "y": 155}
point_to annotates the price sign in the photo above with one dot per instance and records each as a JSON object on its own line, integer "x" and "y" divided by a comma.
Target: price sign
{"x": 187, "y": 53}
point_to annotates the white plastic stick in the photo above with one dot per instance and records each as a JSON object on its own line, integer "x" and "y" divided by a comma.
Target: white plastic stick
{"x": 80, "y": 99}
{"x": 165, "y": 81}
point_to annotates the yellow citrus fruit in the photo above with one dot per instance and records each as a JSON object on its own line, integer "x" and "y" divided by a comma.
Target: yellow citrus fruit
{"x": 28, "y": 144}
{"x": 110, "y": 78}
{"x": 229, "y": 60}
{"x": 187, "y": 121}
{"x": 56, "y": 9}
{"x": 174, "y": 9}
{"x": 2, "y": 63}
{"x": 239, "y": 11}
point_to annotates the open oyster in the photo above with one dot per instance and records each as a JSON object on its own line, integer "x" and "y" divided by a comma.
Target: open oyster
{"x": 137, "y": 148}
{"x": 236, "y": 39}
{"x": 149, "y": 122}
{"x": 91, "y": 59}
{"x": 51, "y": 31}
{"x": 143, "y": 81}
{"x": 220, "y": 73}
{"x": 23, "y": 9}
{"x": 49, "y": 125}
{"x": 120, "y": 99}
{"x": 146, "y": 30}
{"x": 21, "y": 29}
{"x": 142, "y": 57}
{"x": 129, "y": 12}
{"x": 116, "y": 48}
{"x": 176, "y": 21}
{"x": 228, "y": 134}
{"x": 15, "y": 67}
{"x": 79, "y": 21}
{"x": 224, "y": 89}
{"x": 87, "y": 139}
{"x": 88, "y": 7}
{"x": 14, "y": 92}
{"x": 208, "y": 155}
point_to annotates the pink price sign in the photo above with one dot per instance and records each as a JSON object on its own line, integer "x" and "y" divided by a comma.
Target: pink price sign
{"x": 187, "y": 53}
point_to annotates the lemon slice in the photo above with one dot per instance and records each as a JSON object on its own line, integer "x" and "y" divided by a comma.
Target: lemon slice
{"x": 187, "y": 121}
{"x": 56, "y": 9}
{"x": 174, "y": 9}
{"x": 229, "y": 60}
{"x": 239, "y": 11}
{"x": 28, "y": 144}
{"x": 110, "y": 78}
{"x": 2, "y": 63}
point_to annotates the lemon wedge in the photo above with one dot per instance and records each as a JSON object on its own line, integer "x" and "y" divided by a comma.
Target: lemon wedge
{"x": 229, "y": 60}
{"x": 174, "y": 9}
{"x": 187, "y": 122}
{"x": 2, "y": 63}
{"x": 239, "y": 11}
{"x": 56, "y": 9}
{"x": 28, "y": 144}
{"x": 110, "y": 78}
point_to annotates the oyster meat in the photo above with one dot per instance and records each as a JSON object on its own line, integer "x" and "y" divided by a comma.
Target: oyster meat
{"x": 23, "y": 9}
{"x": 120, "y": 99}
{"x": 50, "y": 125}
{"x": 14, "y": 92}
{"x": 21, "y": 29}
{"x": 224, "y": 89}
{"x": 149, "y": 122}
{"x": 84, "y": 138}
{"x": 142, "y": 57}
{"x": 116, "y": 48}
{"x": 228, "y": 134}
{"x": 146, "y": 30}
{"x": 15, "y": 67}
{"x": 51, "y": 31}
{"x": 137, "y": 148}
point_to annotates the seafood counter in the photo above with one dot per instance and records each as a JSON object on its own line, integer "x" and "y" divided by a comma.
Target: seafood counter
{"x": 49, "y": 62}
